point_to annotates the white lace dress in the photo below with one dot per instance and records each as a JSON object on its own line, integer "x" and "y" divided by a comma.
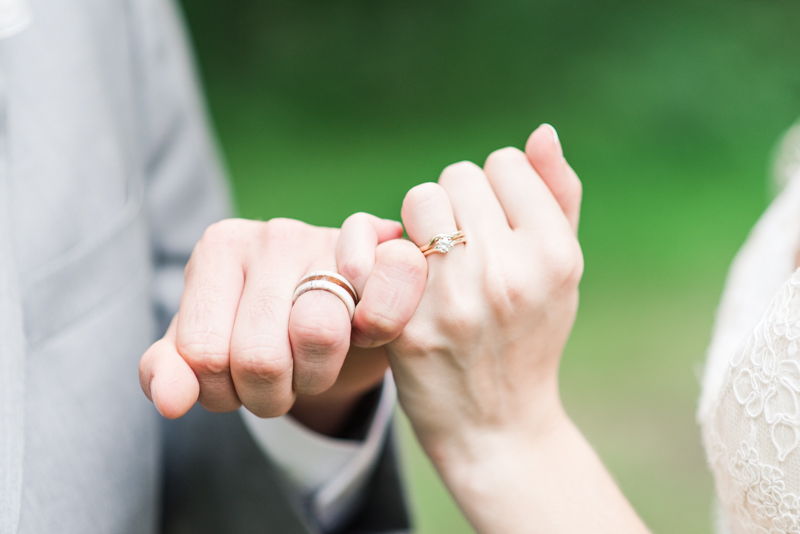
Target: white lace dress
{"x": 750, "y": 406}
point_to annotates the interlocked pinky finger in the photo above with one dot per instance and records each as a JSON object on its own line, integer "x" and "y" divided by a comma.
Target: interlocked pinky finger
{"x": 427, "y": 212}
{"x": 355, "y": 250}
{"x": 391, "y": 295}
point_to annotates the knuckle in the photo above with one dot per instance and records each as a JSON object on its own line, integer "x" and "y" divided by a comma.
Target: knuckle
{"x": 359, "y": 218}
{"x": 305, "y": 386}
{"x": 205, "y": 353}
{"x": 420, "y": 195}
{"x": 354, "y": 266}
{"x": 407, "y": 275}
{"x": 280, "y": 232}
{"x": 455, "y": 171}
{"x": 468, "y": 320}
{"x": 313, "y": 382}
{"x": 223, "y": 233}
{"x": 506, "y": 293}
{"x": 505, "y": 156}
{"x": 217, "y": 239}
{"x": 282, "y": 228}
{"x": 266, "y": 307}
{"x": 465, "y": 317}
{"x": 253, "y": 363}
{"x": 565, "y": 262}
{"x": 322, "y": 332}
{"x": 416, "y": 342}
{"x": 216, "y": 406}
{"x": 377, "y": 326}
{"x": 405, "y": 256}
{"x": 277, "y": 408}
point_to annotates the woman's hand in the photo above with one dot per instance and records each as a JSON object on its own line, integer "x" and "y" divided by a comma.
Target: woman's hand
{"x": 476, "y": 367}
{"x": 481, "y": 353}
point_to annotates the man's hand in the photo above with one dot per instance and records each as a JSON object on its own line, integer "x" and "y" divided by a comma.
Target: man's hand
{"x": 238, "y": 340}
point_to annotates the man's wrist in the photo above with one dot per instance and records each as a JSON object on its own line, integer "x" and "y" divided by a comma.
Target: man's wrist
{"x": 324, "y": 414}
{"x": 338, "y": 414}
{"x": 329, "y": 413}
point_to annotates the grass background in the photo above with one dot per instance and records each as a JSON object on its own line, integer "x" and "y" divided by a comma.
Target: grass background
{"x": 668, "y": 111}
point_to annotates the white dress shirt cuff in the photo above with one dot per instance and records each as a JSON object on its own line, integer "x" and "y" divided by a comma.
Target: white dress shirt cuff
{"x": 333, "y": 473}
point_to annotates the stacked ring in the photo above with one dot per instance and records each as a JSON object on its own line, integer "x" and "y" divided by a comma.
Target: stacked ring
{"x": 443, "y": 243}
{"x": 332, "y": 283}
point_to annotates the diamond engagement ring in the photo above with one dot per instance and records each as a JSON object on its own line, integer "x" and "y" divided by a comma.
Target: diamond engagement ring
{"x": 443, "y": 243}
{"x": 332, "y": 283}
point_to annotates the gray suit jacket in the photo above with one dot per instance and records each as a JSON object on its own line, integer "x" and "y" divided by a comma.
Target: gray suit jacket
{"x": 107, "y": 179}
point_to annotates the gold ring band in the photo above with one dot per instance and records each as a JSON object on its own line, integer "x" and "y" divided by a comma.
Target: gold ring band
{"x": 443, "y": 243}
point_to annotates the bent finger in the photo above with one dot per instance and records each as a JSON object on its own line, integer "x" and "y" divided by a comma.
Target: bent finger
{"x": 391, "y": 295}
{"x": 475, "y": 206}
{"x": 355, "y": 251}
{"x": 261, "y": 354}
{"x": 166, "y": 379}
{"x": 427, "y": 212}
{"x": 526, "y": 199}
{"x": 214, "y": 282}
{"x": 319, "y": 330}
{"x": 544, "y": 151}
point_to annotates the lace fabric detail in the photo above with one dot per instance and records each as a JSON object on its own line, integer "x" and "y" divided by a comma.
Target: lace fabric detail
{"x": 748, "y": 408}
{"x": 753, "y": 433}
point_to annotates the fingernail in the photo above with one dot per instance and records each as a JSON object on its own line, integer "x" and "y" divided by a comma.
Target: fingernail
{"x": 553, "y": 132}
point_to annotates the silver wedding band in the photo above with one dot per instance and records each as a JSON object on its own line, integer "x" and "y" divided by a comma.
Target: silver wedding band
{"x": 332, "y": 283}
{"x": 443, "y": 243}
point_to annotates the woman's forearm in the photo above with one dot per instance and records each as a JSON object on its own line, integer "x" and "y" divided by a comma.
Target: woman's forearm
{"x": 553, "y": 484}
{"x": 477, "y": 366}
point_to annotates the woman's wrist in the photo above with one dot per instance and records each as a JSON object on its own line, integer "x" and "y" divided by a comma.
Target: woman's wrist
{"x": 470, "y": 446}
{"x": 493, "y": 473}
{"x": 547, "y": 479}
{"x": 471, "y": 440}
{"x": 457, "y": 456}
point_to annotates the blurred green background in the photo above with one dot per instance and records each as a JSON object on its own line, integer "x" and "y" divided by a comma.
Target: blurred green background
{"x": 668, "y": 111}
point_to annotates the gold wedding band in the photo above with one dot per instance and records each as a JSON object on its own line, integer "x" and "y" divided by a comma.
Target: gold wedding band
{"x": 332, "y": 283}
{"x": 443, "y": 243}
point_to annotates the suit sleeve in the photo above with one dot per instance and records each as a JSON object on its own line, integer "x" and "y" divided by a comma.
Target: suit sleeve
{"x": 186, "y": 186}
{"x": 332, "y": 475}
{"x": 186, "y": 192}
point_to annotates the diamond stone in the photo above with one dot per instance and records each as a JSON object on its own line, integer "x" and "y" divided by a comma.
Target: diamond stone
{"x": 444, "y": 245}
